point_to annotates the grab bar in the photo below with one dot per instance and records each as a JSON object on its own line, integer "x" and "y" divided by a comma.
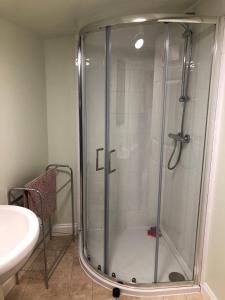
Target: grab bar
{"x": 97, "y": 159}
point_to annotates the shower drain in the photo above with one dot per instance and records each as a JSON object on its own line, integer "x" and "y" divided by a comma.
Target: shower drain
{"x": 175, "y": 276}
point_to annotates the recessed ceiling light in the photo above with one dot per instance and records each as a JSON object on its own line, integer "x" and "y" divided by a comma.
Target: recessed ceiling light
{"x": 138, "y": 20}
{"x": 139, "y": 43}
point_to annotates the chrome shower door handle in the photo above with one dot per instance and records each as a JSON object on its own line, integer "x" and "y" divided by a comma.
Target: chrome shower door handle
{"x": 97, "y": 159}
{"x": 110, "y": 152}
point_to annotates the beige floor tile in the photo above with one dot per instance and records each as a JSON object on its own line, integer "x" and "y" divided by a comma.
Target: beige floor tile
{"x": 174, "y": 297}
{"x": 56, "y": 291}
{"x": 124, "y": 297}
{"x": 80, "y": 283}
{"x": 101, "y": 293}
{"x": 69, "y": 282}
{"x": 31, "y": 275}
{"x": 17, "y": 292}
{"x": 195, "y": 296}
{"x": 81, "y": 297}
{"x": 63, "y": 271}
{"x": 81, "y": 286}
{"x": 34, "y": 289}
{"x": 73, "y": 248}
{"x": 77, "y": 271}
{"x": 55, "y": 297}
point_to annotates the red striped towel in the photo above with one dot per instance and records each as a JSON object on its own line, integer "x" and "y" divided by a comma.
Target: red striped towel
{"x": 46, "y": 184}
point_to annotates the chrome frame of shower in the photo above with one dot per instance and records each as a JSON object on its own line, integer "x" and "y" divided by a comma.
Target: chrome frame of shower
{"x": 107, "y": 145}
{"x": 163, "y": 105}
{"x": 148, "y": 18}
{"x": 102, "y": 278}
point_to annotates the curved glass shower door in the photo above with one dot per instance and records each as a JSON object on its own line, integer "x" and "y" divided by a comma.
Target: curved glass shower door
{"x": 145, "y": 101}
{"x": 136, "y": 98}
{"x": 93, "y": 60}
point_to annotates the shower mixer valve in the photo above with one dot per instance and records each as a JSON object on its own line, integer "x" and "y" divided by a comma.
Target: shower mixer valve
{"x": 180, "y": 138}
{"x": 184, "y": 99}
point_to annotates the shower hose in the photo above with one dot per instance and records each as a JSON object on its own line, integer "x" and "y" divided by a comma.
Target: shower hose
{"x": 171, "y": 166}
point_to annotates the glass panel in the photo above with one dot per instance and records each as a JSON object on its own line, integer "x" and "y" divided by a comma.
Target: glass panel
{"x": 181, "y": 185}
{"x": 144, "y": 78}
{"x": 135, "y": 110}
{"x": 94, "y": 90}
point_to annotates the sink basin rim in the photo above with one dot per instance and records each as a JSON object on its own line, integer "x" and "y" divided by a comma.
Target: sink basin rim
{"x": 25, "y": 246}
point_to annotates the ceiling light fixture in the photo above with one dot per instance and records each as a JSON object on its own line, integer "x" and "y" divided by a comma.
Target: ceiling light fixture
{"x": 139, "y": 43}
{"x": 139, "y": 20}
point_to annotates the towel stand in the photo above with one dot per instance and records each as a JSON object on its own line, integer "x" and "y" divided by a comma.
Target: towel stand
{"x": 18, "y": 200}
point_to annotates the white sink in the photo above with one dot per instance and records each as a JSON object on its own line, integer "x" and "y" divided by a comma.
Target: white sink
{"x": 19, "y": 231}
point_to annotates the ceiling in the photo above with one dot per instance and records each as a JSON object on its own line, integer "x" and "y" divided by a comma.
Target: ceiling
{"x": 52, "y": 18}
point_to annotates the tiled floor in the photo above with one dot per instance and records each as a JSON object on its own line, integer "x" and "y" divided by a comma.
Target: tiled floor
{"x": 69, "y": 282}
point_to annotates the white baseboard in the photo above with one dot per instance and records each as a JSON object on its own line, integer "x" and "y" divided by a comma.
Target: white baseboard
{"x": 66, "y": 228}
{"x": 176, "y": 253}
{"x": 207, "y": 292}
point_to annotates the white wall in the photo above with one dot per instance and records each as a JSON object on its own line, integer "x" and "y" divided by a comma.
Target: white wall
{"x": 23, "y": 125}
{"x": 61, "y": 95}
{"x": 209, "y": 7}
{"x": 214, "y": 262}
{"x": 27, "y": 66}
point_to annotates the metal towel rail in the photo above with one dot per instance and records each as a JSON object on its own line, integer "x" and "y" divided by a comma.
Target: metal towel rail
{"x": 17, "y": 200}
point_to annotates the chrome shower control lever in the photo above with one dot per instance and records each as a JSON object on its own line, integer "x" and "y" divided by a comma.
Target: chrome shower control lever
{"x": 180, "y": 138}
{"x": 184, "y": 99}
{"x": 187, "y": 138}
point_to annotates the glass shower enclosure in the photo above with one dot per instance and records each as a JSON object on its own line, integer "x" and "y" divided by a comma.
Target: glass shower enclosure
{"x": 144, "y": 90}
